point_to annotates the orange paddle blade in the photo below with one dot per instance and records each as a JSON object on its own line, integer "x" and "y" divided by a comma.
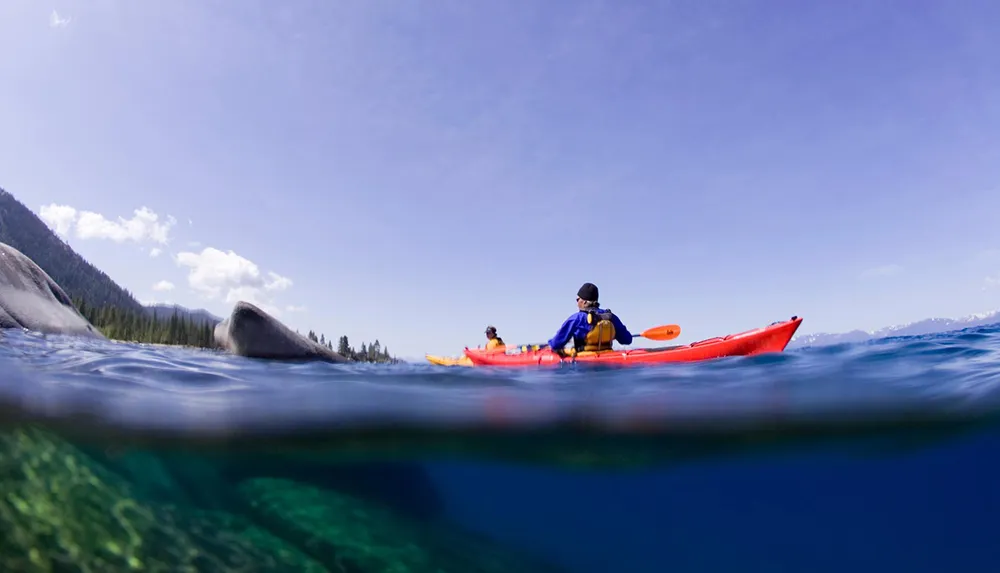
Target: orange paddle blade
{"x": 665, "y": 332}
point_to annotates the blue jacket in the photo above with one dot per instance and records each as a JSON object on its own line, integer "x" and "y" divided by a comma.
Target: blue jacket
{"x": 576, "y": 327}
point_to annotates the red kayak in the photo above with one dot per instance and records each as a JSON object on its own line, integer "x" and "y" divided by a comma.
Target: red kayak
{"x": 771, "y": 338}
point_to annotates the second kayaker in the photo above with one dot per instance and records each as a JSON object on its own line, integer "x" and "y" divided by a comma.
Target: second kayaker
{"x": 591, "y": 327}
{"x": 492, "y": 340}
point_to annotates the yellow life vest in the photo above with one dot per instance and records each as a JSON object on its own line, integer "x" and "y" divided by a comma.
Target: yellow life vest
{"x": 602, "y": 332}
{"x": 494, "y": 342}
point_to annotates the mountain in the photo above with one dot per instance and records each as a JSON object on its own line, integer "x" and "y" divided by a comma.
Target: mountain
{"x": 114, "y": 309}
{"x": 926, "y": 326}
{"x": 197, "y": 315}
{"x": 23, "y": 230}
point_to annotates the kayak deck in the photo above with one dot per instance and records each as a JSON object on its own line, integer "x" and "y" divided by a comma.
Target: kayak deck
{"x": 448, "y": 360}
{"x": 460, "y": 360}
{"x": 772, "y": 338}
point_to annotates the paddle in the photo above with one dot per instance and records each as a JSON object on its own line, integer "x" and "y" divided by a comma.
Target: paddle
{"x": 662, "y": 332}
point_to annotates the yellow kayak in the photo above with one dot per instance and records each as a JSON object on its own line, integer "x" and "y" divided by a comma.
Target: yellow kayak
{"x": 448, "y": 361}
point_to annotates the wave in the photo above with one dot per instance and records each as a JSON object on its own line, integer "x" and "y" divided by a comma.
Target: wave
{"x": 140, "y": 394}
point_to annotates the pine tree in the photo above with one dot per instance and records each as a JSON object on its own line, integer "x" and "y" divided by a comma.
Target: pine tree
{"x": 142, "y": 326}
{"x": 343, "y": 347}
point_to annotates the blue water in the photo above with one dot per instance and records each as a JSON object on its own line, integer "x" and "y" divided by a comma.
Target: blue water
{"x": 870, "y": 457}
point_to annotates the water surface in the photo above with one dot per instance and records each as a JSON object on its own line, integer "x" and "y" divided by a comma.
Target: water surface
{"x": 871, "y": 457}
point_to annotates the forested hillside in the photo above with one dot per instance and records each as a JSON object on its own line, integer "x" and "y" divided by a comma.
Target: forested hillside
{"x": 23, "y": 230}
{"x": 151, "y": 327}
{"x": 197, "y": 315}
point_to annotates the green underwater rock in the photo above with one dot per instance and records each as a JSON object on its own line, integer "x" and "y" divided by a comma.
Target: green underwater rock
{"x": 61, "y": 510}
{"x": 347, "y": 534}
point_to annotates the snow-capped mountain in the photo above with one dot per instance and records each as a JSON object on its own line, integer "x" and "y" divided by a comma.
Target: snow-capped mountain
{"x": 926, "y": 326}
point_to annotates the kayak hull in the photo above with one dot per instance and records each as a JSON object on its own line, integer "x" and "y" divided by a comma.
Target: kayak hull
{"x": 772, "y": 338}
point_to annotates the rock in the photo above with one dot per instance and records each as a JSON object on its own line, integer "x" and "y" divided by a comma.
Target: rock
{"x": 61, "y": 511}
{"x": 30, "y": 299}
{"x": 403, "y": 487}
{"x": 251, "y": 332}
{"x": 347, "y": 534}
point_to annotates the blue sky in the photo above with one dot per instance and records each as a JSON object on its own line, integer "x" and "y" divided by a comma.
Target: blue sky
{"x": 414, "y": 171}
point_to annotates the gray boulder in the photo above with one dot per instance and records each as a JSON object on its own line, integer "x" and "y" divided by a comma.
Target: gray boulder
{"x": 30, "y": 299}
{"x": 251, "y": 332}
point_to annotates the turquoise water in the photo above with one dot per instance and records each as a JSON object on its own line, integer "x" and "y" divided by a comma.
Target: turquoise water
{"x": 869, "y": 457}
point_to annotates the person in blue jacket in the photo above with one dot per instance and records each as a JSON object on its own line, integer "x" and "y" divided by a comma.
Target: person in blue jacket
{"x": 591, "y": 327}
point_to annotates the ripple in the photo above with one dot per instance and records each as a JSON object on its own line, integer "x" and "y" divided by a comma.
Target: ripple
{"x": 168, "y": 389}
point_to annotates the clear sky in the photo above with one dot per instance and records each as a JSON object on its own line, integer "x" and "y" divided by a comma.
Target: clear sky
{"x": 414, "y": 171}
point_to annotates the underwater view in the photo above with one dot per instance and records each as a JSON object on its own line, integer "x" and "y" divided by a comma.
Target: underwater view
{"x": 341, "y": 286}
{"x": 869, "y": 457}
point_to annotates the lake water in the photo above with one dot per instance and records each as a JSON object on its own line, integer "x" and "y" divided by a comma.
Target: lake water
{"x": 882, "y": 456}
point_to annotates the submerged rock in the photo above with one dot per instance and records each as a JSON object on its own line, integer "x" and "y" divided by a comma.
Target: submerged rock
{"x": 251, "y": 332}
{"x": 169, "y": 477}
{"x": 347, "y": 534}
{"x": 205, "y": 481}
{"x": 30, "y": 299}
{"x": 61, "y": 511}
{"x": 402, "y": 486}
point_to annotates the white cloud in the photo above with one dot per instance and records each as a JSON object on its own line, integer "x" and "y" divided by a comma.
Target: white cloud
{"x": 883, "y": 271}
{"x": 155, "y": 252}
{"x": 293, "y": 308}
{"x": 227, "y": 276}
{"x": 277, "y": 282}
{"x": 991, "y": 282}
{"x": 59, "y": 217}
{"x": 55, "y": 21}
{"x": 163, "y": 286}
{"x": 145, "y": 224}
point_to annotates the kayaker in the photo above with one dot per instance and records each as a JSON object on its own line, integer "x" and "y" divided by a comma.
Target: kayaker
{"x": 492, "y": 340}
{"x": 591, "y": 327}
